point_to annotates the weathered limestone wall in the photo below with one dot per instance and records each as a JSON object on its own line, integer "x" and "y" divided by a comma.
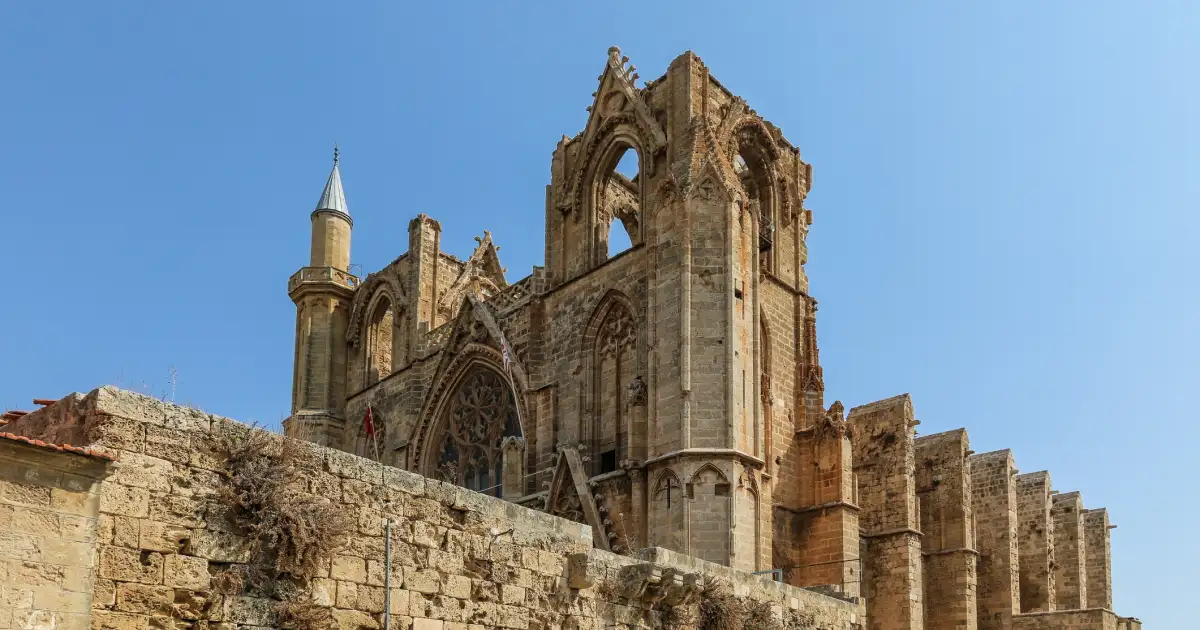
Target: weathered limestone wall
{"x": 1036, "y": 534}
{"x": 817, "y": 542}
{"x": 1099, "y": 558}
{"x": 884, "y": 459}
{"x": 1089, "y": 619}
{"x": 947, "y": 534}
{"x": 1070, "y": 554}
{"x": 48, "y": 513}
{"x": 461, "y": 560}
{"x": 994, "y": 501}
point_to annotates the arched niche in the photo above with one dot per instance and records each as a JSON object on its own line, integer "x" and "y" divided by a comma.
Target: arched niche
{"x": 667, "y": 512}
{"x": 710, "y": 498}
{"x": 380, "y": 337}
{"x": 610, "y": 345}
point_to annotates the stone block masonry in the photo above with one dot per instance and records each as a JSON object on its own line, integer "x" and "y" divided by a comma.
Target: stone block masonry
{"x": 163, "y": 543}
{"x": 948, "y": 537}
{"x": 884, "y": 458}
{"x": 1099, "y": 558}
{"x": 1036, "y": 535}
{"x": 1070, "y": 573}
{"x": 49, "y": 501}
{"x": 994, "y": 501}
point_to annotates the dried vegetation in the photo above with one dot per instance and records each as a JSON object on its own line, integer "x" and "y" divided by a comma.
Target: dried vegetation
{"x": 293, "y": 533}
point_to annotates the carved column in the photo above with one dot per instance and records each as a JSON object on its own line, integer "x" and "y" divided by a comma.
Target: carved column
{"x": 637, "y": 489}
{"x": 512, "y": 450}
{"x": 635, "y": 404}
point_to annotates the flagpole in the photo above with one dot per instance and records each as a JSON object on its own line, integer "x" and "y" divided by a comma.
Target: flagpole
{"x": 511, "y": 383}
{"x": 516, "y": 403}
{"x": 374, "y": 434}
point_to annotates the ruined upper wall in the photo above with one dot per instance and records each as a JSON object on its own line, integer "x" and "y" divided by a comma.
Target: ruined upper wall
{"x": 459, "y": 559}
{"x": 683, "y": 127}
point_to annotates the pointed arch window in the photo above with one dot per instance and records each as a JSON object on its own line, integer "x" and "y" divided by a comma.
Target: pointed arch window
{"x": 753, "y": 156}
{"x": 380, "y": 341}
{"x": 480, "y": 415}
{"x": 617, "y": 200}
{"x": 614, "y": 366}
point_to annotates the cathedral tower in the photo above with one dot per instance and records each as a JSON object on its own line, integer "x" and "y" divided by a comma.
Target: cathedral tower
{"x": 322, "y": 292}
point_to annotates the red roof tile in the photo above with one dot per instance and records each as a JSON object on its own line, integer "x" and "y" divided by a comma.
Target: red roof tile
{"x": 64, "y": 448}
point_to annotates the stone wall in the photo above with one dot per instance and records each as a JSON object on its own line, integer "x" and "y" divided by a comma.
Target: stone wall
{"x": 460, "y": 560}
{"x": 1036, "y": 535}
{"x": 884, "y": 459}
{"x": 947, "y": 532}
{"x": 1070, "y": 554}
{"x": 1089, "y": 619}
{"x": 1099, "y": 558}
{"x": 994, "y": 501}
{"x": 48, "y": 512}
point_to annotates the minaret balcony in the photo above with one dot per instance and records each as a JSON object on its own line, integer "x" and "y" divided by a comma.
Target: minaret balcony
{"x": 322, "y": 277}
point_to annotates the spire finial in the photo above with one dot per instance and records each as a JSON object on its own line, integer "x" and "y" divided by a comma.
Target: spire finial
{"x": 335, "y": 154}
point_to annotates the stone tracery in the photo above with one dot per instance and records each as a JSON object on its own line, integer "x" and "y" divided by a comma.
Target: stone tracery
{"x": 613, "y": 369}
{"x": 480, "y": 415}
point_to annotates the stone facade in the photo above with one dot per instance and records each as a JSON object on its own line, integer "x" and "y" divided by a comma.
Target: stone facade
{"x": 653, "y": 416}
{"x": 49, "y": 502}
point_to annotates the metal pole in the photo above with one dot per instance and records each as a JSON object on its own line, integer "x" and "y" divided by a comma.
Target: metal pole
{"x": 387, "y": 575}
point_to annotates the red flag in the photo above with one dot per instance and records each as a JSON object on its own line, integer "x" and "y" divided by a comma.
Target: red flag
{"x": 369, "y": 422}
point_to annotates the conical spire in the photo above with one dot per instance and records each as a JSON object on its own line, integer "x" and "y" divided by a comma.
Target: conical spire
{"x": 333, "y": 198}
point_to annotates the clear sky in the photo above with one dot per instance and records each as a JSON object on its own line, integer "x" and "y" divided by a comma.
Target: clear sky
{"x": 1004, "y": 201}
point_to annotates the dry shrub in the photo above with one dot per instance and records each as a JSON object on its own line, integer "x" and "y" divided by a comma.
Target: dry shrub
{"x": 299, "y": 613}
{"x": 720, "y": 609}
{"x": 291, "y": 529}
{"x": 230, "y": 581}
{"x": 760, "y": 617}
{"x": 678, "y": 618}
{"x": 797, "y": 620}
{"x": 608, "y": 590}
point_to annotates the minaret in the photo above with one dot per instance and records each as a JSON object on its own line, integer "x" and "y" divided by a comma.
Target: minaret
{"x": 322, "y": 292}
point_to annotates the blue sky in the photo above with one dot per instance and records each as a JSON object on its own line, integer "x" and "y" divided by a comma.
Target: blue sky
{"x": 1004, "y": 198}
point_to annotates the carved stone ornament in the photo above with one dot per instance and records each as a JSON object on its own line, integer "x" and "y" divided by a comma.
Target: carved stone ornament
{"x": 581, "y": 573}
{"x": 652, "y": 584}
{"x": 617, "y": 334}
{"x": 813, "y": 379}
{"x": 568, "y": 505}
{"x": 637, "y": 391}
{"x": 570, "y": 496}
{"x": 834, "y": 423}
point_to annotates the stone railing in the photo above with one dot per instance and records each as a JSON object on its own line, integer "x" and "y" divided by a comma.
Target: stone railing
{"x": 323, "y": 274}
{"x": 512, "y": 296}
{"x": 439, "y": 337}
